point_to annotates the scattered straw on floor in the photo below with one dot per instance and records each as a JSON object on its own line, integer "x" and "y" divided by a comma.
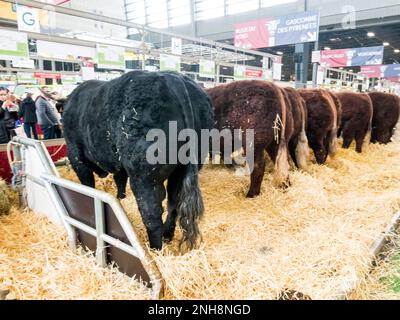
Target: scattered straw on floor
{"x": 313, "y": 238}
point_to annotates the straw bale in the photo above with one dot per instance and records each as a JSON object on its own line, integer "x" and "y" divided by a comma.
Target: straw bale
{"x": 311, "y": 240}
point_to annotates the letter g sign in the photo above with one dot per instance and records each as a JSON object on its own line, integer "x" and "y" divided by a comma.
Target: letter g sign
{"x": 27, "y": 17}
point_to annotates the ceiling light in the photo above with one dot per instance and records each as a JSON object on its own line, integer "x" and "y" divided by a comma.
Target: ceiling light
{"x": 371, "y": 34}
{"x": 327, "y": 48}
{"x": 279, "y": 52}
{"x": 341, "y": 68}
{"x": 386, "y": 44}
{"x": 396, "y": 50}
{"x": 351, "y": 70}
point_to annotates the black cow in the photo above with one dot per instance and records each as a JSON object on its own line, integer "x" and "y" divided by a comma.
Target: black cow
{"x": 105, "y": 128}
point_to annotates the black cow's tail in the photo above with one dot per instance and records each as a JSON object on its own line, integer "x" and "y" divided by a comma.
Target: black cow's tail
{"x": 190, "y": 207}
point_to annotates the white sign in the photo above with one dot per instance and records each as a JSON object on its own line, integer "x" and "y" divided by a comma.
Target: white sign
{"x": 13, "y": 45}
{"x": 277, "y": 71}
{"x": 28, "y": 19}
{"x": 23, "y": 63}
{"x": 63, "y": 51}
{"x": 110, "y": 57}
{"x": 176, "y": 46}
{"x": 88, "y": 73}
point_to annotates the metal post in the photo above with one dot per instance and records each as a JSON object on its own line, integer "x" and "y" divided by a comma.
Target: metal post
{"x": 100, "y": 231}
{"x": 315, "y": 67}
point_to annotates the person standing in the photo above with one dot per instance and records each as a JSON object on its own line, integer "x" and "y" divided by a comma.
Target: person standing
{"x": 46, "y": 115}
{"x": 28, "y": 112}
{"x": 4, "y": 138}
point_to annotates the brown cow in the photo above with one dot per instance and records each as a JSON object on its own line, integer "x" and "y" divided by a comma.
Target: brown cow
{"x": 338, "y": 106}
{"x": 356, "y": 118}
{"x": 257, "y": 105}
{"x": 385, "y": 117}
{"x": 321, "y": 123}
{"x": 298, "y": 143}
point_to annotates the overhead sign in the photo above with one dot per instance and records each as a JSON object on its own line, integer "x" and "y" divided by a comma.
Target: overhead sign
{"x": 28, "y": 19}
{"x": 25, "y": 77}
{"x": 382, "y": 71}
{"x": 23, "y": 63}
{"x": 243, "y": 72}
{"x": 176, "y": 46}
{"x": 207, "y": 68}
{"x": 13, "y": 45}
{"x": 47, "y": 75}
{"x": 349, "y": 57}
{"x": 63, "y": 50}
{"x": 171, "y": 63}
{"x": 295, "y": 28}
{"x": 110, "y": 57}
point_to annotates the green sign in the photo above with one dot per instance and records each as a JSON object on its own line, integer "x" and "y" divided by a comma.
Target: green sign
{"x": 240, "y": 72}
{"x": 13, "y": 45}
{"x": 207, "y": 69}
{"x": 110, "y": 57}
{"x": 170, "y": 63}
{"x": 26, "y": 77}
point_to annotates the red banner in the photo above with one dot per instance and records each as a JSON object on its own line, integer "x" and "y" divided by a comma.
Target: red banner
{"x": 252, "y": 73}
{"x": 372, "y": 71}
{"x": 251, "y": 35}
{"x": 334, "y": 58}
{"x": 47, "y": 75}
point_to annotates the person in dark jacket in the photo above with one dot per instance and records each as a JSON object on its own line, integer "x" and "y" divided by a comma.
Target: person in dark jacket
{"x": 46, "y": 115}
{"x": 4, "y": 137}
{"x": 28, "y": 112}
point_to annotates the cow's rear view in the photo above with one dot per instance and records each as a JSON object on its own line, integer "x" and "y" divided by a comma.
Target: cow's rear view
{"x": 107, "y": 126}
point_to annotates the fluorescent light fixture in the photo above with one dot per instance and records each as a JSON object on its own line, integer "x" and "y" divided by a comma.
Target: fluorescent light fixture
{"x": 371, "y": 34}
{"x": 327, "y": 48}
{"x": 396, "y": 50}
{"x": 279, "y": 52}
{"x": 386, "y": 44}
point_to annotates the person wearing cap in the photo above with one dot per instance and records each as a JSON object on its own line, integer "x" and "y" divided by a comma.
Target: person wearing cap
{"x": 28, "y": 112}
{"x": 46, "y": 115}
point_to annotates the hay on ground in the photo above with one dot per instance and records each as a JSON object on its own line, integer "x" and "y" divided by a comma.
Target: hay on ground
{"x": 311, "y": 240}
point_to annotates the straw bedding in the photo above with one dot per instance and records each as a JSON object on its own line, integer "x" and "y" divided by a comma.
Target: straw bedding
{"x": 311, "y": 240}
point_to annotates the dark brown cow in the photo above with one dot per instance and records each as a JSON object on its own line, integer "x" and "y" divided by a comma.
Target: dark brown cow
{"x": 356, "y": 118}
{"x": 321, "y": 123}
{"x": 298, "y": 143}
{"x": 385, "y": 117}
{"x": 338, "y": 106}
{"x": 257, "y": 105}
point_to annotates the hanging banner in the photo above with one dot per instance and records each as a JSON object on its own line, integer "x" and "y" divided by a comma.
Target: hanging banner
{"x": 25, "y": 77}
{"x": 176, "y": 46}
{"x": 171, "y": 63}
{"x": 47, "y": 75}
{"x": 28, "y": 19}
{"x": 295, "y": 28}
{"x": 63, "y": 51}
{"x": 277, "y": 71}
{"x": 13, "y": 45}
{"x": 88, "y": 73}
{"x": 253, "y": 73}
{"x": 239, "y": 72}
{"x": 207, "y": 69}
{"x": 23, "y": 63}
{"x": 349, "y": 57}
{"x": 382, "y": 71}
{"x": 69, "y": 79}
{"x": 110, "y": 57}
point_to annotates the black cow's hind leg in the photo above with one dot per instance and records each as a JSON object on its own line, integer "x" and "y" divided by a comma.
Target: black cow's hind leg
{"x": 174, "y": 186}
{"x": 81, "y": 166}
{"x": 121, "y": 178}
{"x": 149, "y": 196}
